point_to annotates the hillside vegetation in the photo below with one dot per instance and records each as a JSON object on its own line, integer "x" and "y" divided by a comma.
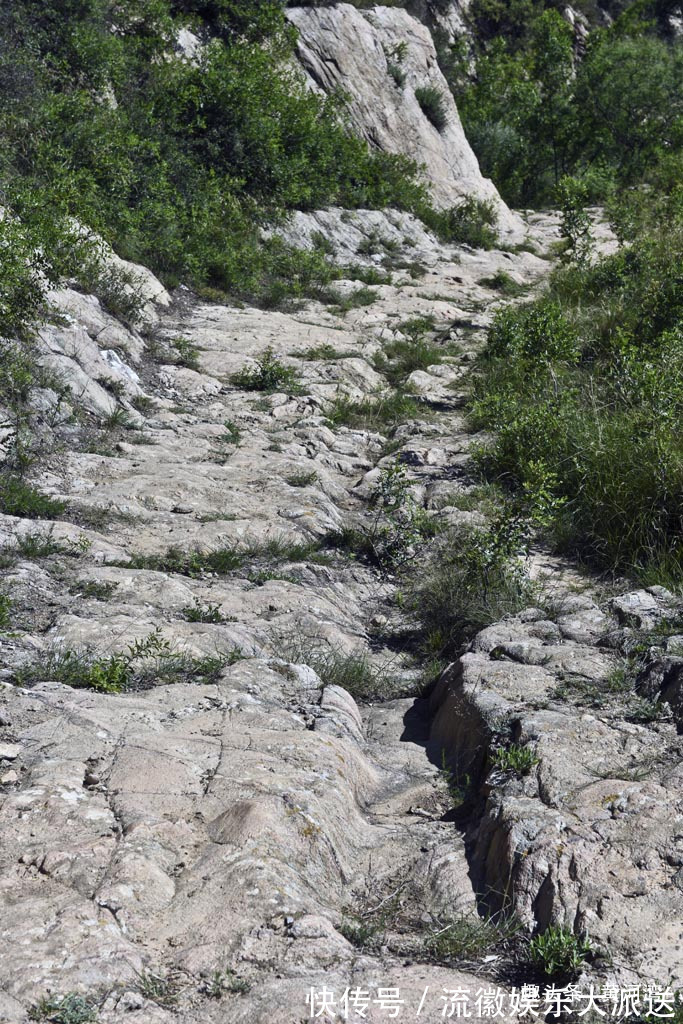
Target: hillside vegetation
{"x": 583, "y": 389}
{"x": 176, "y": 162}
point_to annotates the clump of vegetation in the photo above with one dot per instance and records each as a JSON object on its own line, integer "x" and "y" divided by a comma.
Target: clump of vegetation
{"x": 433, "y": 105}
{"x": 559, "y": 953}
{"x": 39, "y": 545}
{"x": 472, "y": 222}
{"x": 342, "y": 303}
{"x": 198, "y": 612}
{"x": 502, "y": 282}
{"x": 458, "y": 785}
{"x": 514, "y": 759}
{"x": 5, "y": 610}
{"x": 325, "y": 351}
{"x": 162, "y": 989}
{"x": 100, "y": 591}
{"x": 401, "y": 356}
{"x": 477, "y": 575}
{"x": 382, "y": 414}
{"x": 587, "y": 382}
{"x": 355, "y": 673}
{"x": 533, "y": 112}
{"x": 69, "y": 1009}
{"x": 186, "y": 353}
{"x": 395, "y": 56}
{"x": 18, "y": 498}
{"x": 393, "y": 527}
{"x": 468, "y": 937}
{"x": 144, "y": 663}
{"x": 302, "y": 479}
{"x": 268, "y": 375}
{"x": 198, "y": 153}
{"x": 220, "y": 982}
{"x": 233, "y": 434}
{"x": 229, "y": 558}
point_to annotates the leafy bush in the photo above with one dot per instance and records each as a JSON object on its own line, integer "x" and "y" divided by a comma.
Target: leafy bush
{"x": 533, "y": 112}
{"x": 5, "y": 609}
{"x": 176, "y": 163}
{"x": 470, "y": 581}
{"x": 393, "y": 527}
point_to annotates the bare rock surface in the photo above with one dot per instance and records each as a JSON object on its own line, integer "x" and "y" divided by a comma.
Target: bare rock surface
{"x": 205, "y": 845}
{"x": 342, "y": 47}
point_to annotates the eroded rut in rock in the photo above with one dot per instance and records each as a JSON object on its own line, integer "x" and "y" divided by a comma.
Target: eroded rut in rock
{"x": 234, "y": 832}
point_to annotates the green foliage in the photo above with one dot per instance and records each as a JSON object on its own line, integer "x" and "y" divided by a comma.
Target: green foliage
{"x": 382, "y": 414}
{"x": 559, "y": 953}
{"x": 69, "y": 1009}
{"x": 268, "y": 375}
{"x": 17, "y": 498}
{"x": 476, "y": 575}
{"x": 354, "y": 671}
{"x": 433, "y": 105}
{"x": 302, "y": 479}
{"x": 5, "y": 610}
{"x": 342, "y": 303}
{"x": 198, "y": 612}
{"x": 233, "y": 433}
{"x": 38, "y": 545}
{"x": 144, "y": 663}
{"x": 534, "y": 113}
{"x": 95, "y": 589}
{"x": 229, "y": 558}
{"x": 394, "y": 526}
{"x": 515, "y": 759}
{"x": 504, "y": 283}
{"x": 572, "y": 195}
{"x": 470, "y": 581}
{"x": 468, "y": 937}
{"x": 471, "y": 222}
{"x": 176, "y": 163}
{"x": 187, "y": 354}
{"x": 588, "y": 383}
{"x": 402, "y": 356}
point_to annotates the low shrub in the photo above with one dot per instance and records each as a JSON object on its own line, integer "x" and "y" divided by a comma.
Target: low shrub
{"x": 268, "y": 375}
{"x": 433, "y": 105}
{"x": 18, "y": 498}
{"x": 393, "y": 527}
{"x": 588, "y": 383}
{"x": 470, "y": 222}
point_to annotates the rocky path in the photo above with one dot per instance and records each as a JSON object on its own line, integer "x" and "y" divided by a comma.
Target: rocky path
{"x": 235, "y": 829}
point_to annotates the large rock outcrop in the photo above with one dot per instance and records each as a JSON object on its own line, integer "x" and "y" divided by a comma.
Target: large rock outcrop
{"x": 343, "y": 48}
